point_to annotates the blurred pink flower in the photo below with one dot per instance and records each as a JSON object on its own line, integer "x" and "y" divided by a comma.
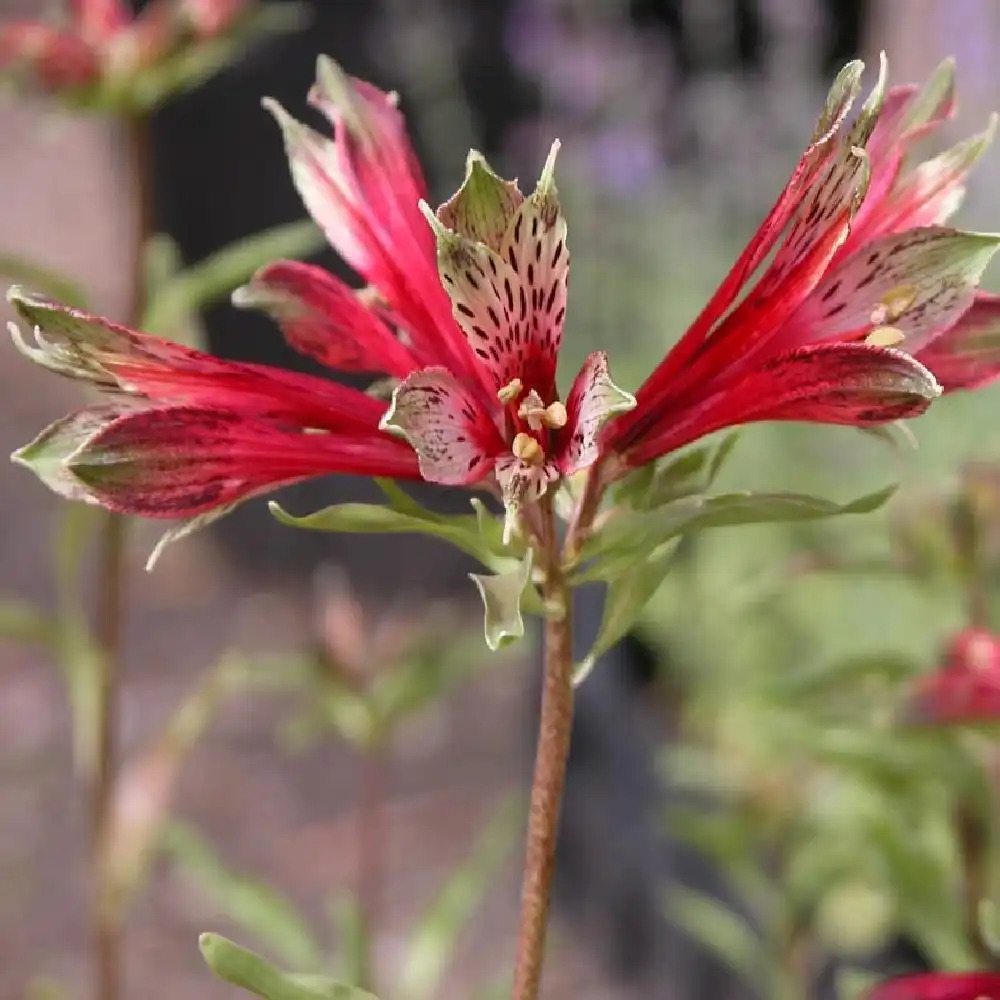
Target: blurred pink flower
{"x": 104, "y": 39}
{"x": 940, "y": 986}
{"x": 966, "y": 689}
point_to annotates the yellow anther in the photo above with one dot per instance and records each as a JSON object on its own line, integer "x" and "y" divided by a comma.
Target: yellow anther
{"x": 885, "y": 336}
{"x": 537, "y": 415}
{"x": 555, "y": 415}
{"x": 510, "y": 391}
{"x": 527, "y": 449}
{"x": 893, "y": 304}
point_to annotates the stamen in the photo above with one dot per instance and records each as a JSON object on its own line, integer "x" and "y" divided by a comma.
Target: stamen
{"x": 510, "y": 391}
{"x": 532, "y": 410}
{"x": 537, "y": 415}
{"x": 555, "y": 415}
{"x": 885, "y": 336}
{"x": 527, "y": 449}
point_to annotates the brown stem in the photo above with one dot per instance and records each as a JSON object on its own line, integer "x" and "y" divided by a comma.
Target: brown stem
{"x": 370, "y": 853}
{"x": 973, "y": 837}
{"x": 107, "y": 629}
{"x": 548, "y": 782}
{"x": 105, "y": 917}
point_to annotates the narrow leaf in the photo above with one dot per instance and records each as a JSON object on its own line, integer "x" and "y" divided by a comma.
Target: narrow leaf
{"x": 250, "y": 972}
{"x": 722, "y": 931}
{"x": 214, "y": 278}
{"x": 255, "y": 907}
{"x": 461, "y": 531}
{"x": 626, "y": 597}
{"x": 433, "y": 941}
{"x": 18, "y": 271}
{"x": 631, "y": 535}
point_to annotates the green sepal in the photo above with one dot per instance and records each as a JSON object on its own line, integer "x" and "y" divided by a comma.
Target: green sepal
{"x": 502, "y": 596}
{"x": 627, "y": 538}
{"x": 50, "y": 455}
{"x": 251, "y": 972}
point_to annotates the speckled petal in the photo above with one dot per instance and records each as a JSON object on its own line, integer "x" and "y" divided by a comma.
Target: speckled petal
{"x": 455, "y": 443}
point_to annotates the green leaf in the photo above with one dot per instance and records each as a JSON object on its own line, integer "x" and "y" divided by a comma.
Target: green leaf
{"x": 162, "y": 264}
{"x": 256, "y": 908}
{"x": 251, "y": 972}
{"x": 626, "y": 597}
{"x": 722, "y": 931}
{"x": 22, "y": 622}
{"x": 693, "y": 471}
{"x": 841, "y": 677}
{"x": 43, "y": 279}
{"x": 501, "y": 594}
{"x": 627, "y": 538}
{"x": 78, "y": 655}
{"x": 354, "y": 937}
{"x": 425, "y": 674}
{"x": 462, "y": 531}
{"x": 433, "y": 941}
{"x": 215, "y": 277}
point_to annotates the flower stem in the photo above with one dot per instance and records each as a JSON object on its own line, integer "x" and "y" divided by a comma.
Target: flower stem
{"x": 370, "y": 854}
{"x": 113, "y": 542}
{"x": 108, "y": 633}
{"x": 549, "y": 779}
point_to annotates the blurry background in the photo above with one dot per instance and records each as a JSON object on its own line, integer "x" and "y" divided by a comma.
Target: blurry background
{"x": 680, "y": 120}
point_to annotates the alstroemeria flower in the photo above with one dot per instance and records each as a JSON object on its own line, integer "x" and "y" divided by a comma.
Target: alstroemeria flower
{"x": 940, "y": 986}
{"x": 861, "y": 290}
{"x": 103, "y": 43}
{"x": 464, "y": 312}
{"x": 965, "y": 690}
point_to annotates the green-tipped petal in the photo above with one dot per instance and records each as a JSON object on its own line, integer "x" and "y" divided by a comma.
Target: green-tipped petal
{"x": 842, "y": 95}
{"x": 482, "y": 208}
{"x": 50, "y": 455}
{"x": 916, "y": 283}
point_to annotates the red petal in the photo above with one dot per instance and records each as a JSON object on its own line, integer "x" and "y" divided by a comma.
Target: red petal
{"x": 967, "y": 356}
{"x": 830, "y": 384}
{"x": 97, "y": 20}
{"x": 816, "y": 209}
{"x": 814, "y": 161}
{"x": 363, "y": 190}
{"x": 323, "y": 318}
{"x": 116, "y": 358}
{"x": 940, "y": 986}
{"x": 53, "y": 60}
{"x": 592, "y": 399}
{"x": 181, "y": 461}
{"x": 909, "y": 113}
